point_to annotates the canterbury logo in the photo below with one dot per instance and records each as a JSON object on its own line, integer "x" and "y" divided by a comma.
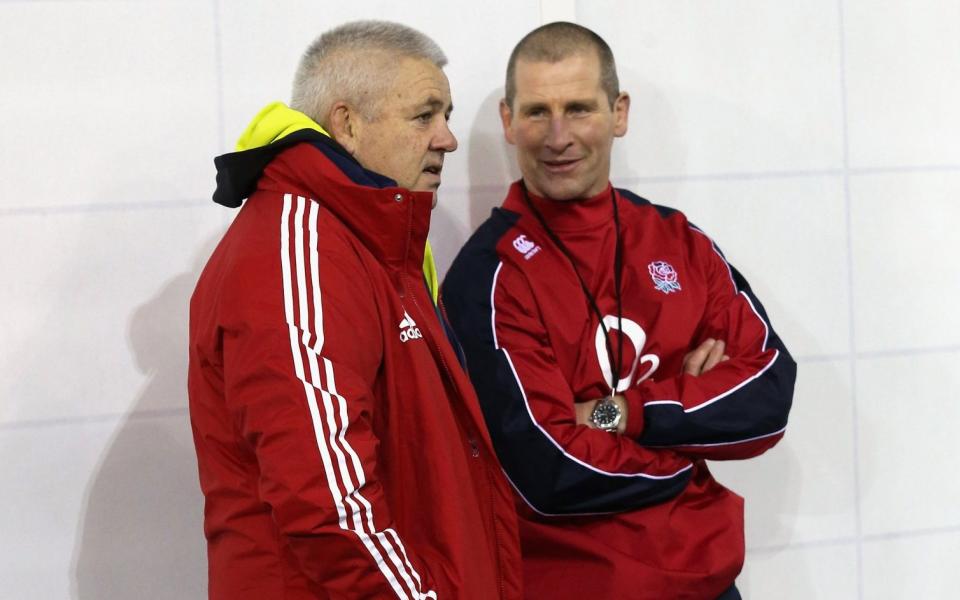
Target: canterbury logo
{"x": 408, "y": 329}
{"x": 525, "y": 247}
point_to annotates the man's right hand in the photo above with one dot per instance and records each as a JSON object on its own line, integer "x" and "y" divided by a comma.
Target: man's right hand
{"x": 704, "y": 357}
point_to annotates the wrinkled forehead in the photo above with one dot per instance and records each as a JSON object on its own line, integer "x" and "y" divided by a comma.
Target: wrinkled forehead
{"x": 576, "y": 75}
{"x": 417, "y": 80}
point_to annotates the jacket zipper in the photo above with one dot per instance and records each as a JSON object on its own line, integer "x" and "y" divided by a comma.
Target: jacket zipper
{"x": 490, "y": 483}
{"x": 405, "y": 279}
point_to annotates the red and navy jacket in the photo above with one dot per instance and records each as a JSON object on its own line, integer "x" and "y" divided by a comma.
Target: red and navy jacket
{"x": 617, "y": 516}
{"x": 341, "y": 447}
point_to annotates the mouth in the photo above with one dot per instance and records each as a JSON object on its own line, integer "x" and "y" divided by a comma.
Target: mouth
{"x": 431, "y": 176}
{"x": 432, "y": 173}
{"x": 561, "y": 165}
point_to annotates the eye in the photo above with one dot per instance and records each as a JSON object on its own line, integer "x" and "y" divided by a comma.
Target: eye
{"x": 424, "y": 117}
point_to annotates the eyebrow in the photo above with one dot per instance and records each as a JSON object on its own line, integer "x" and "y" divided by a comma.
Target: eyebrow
{"x": 436, "y": 104}
{"x": 576, "y": 103}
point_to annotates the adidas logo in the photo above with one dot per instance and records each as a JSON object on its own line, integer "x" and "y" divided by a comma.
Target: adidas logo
{"x": 408, "y": 329}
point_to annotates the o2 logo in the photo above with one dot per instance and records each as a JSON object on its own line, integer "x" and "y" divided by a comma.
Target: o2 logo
{"x": 638, "y": 337}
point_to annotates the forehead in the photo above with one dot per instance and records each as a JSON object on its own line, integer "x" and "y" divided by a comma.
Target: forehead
{"x": 417, "y": 80}
{"x": 575, "y": 76}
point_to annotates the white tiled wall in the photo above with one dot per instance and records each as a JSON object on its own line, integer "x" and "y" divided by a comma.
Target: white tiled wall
{"x": 903, "y": 82}
{"x": 95, "y": 308}
{"x": 106, "y": 102}
{"x": 816, "y": 141}
{"x": 102, "y": 508}
{"x": 825, "y": 572}
{"x": 907, "y": 412}
{"x": 905, "y": 247}
{"x": 763, "y": 226}
{"x": 801, "y": 492}
{"x": 726, "y": 87}
{"x": 922, "y": 566}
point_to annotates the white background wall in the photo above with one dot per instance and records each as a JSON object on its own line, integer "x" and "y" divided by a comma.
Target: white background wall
{"x": 817, "y": 141}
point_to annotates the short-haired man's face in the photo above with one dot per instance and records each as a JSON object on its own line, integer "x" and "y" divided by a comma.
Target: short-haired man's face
{"x": 408, "y": 138}
{"x": 563, "y": 126}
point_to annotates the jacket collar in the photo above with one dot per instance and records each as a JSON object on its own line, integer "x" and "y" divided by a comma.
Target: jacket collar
{"x": 391, "y": 221}
{"x": 570, "y": 215}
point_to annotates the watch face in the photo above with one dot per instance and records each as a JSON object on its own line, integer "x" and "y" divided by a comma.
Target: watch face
{"x": 606, "y": 415}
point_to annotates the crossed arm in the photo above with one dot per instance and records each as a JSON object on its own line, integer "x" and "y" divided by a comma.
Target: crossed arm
{"x": 698, "y": 361}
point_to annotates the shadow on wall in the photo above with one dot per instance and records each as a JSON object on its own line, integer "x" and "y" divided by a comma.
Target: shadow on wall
{"x": 655, "y": 147}
{"x": 770, "y": 485}
{"x": 653, "y": 144}
{"x": 492, "y": 161}
{"x": 141, "y": 534}
{"x": 491, "y": 168}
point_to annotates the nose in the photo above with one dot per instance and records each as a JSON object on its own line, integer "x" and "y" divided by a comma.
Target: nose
{"x": 558, "y": 136}
{"x": 444, "y": 140}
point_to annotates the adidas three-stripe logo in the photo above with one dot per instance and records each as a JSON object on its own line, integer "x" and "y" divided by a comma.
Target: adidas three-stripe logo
{"x": 346, "y": 477}
{"x": 408, "y": 329}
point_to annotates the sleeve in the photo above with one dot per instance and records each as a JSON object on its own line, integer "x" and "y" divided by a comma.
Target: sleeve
{"x": 739, "y": 408}
{"x": 557, "y": 466}
{"x": 298, "y": 383}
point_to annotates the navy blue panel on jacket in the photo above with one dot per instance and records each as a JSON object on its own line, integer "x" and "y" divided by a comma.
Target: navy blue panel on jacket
{"x": 756, "y": 410}
{"x": 550, "y": 481}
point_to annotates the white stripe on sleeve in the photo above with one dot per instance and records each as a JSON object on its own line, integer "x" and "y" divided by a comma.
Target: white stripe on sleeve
{"x": 335, "y": 439}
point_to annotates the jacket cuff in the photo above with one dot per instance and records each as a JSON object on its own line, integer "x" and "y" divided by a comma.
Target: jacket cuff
{"x": 634, "y": 413}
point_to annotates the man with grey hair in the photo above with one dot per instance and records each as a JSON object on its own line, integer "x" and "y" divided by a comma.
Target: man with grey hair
{"x": 613, "y": 349}
{"x": 341, "y": 448}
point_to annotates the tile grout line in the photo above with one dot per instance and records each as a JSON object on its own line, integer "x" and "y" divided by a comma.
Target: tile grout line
{"x": 871, "y": 538}
{"x": 790, "y": 174}
{"x": 803, "y": 359}
{"x": 874, "y": 354}
{"x": 94, "y": 207}
{"x": 16, "y": 211}
{"x": 733, "y": 176}
{"x": 916, "y": 533}
{"x": 848, "y": 210}
{"x": 903, "y": 169}
{"x": 820, "y": 358}
{"x": 139, "y": 415}
{"x": 907, "y": 352}
{"x": 824, "y": 543}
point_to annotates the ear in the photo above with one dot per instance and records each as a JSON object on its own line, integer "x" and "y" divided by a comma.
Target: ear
{"x": 345, "y": 126}
{"x": 621, "y": 114}
{"x": 506, "y": 118}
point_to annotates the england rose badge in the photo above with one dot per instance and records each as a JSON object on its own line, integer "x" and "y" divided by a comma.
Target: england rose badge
{"x": 664, "y": 276}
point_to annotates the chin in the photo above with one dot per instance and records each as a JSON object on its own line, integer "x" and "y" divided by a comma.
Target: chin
{"x": 559, "y": 189}
{"x": 563, "y": 193}
{"x": 425, "y": 187}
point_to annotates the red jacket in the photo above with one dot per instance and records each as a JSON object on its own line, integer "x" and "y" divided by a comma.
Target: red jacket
{"x": 341, "y": 448}
{"x": 634, "y": 516}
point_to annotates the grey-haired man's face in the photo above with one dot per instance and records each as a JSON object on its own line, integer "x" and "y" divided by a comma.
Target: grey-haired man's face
{"x": 409, "y": 137}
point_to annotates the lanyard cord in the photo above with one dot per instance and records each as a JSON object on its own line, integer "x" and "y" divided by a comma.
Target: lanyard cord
{"x": 617, "y": 276}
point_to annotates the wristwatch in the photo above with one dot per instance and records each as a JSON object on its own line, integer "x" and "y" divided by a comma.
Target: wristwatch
{"x": 606, "y": 415}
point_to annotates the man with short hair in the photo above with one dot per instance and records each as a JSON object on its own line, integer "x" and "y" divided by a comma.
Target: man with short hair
{"x": 341, "y": 448}
{"x": 613, "y": 349}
